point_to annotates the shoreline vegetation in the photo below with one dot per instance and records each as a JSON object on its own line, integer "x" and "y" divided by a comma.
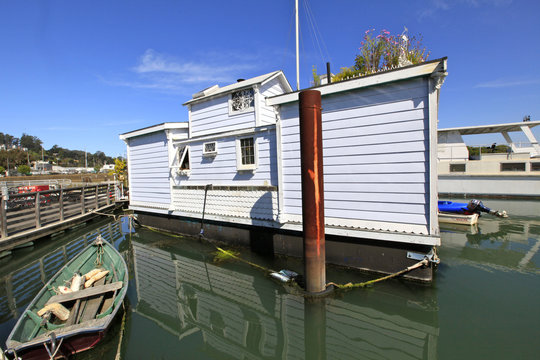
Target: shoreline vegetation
{"x": 22, "y": 152}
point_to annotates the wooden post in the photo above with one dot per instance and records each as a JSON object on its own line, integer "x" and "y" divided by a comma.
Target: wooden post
{"x": 311, "y": 161}
{"x": 38, "y": 214}
{"x": 108, "y": 194}
{"x": 61, "y": 204}
{"x": 83, "y": 210}
{"x": 3, "y": 216}
{"x": 97, "y": 197}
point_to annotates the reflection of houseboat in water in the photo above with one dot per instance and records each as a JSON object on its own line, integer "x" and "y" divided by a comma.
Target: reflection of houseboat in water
{"x": 238, "y": 160}
{"x": 240, "y": 315}
{"x": 513, "y": 174}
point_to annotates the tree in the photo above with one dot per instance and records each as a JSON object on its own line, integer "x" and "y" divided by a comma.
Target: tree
{"x": 2, "y": 170}
{"x": 24, "y": 169}
{"x": 30, "y": 142}
{"x": 119, "y": 169}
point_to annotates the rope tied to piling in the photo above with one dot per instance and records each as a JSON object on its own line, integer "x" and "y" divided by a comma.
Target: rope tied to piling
{"x": 349, "y": 286}
{"x": 267, "y": 271}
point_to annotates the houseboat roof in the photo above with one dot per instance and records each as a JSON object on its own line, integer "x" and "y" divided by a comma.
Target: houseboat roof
{"x": 154, "y": 128}
{"x": 426, "y": 68}
{"x": 489, "y": 129}
{"x": 215, "y": 90}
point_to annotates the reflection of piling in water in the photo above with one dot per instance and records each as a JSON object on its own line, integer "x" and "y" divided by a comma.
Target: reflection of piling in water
{"x": 315, "y": 328}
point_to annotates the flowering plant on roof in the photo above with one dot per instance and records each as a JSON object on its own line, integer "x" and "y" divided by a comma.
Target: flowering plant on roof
{"x": 383, "y": 52}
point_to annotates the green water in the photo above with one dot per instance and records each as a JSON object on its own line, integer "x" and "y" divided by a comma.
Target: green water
{"x": 483, "y": 304}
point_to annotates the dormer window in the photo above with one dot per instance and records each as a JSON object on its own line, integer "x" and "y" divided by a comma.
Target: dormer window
{"x": 242, "y": 101}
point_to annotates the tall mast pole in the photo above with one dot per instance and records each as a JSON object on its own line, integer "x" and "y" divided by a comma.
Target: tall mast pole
{"x": 297, "y": 51}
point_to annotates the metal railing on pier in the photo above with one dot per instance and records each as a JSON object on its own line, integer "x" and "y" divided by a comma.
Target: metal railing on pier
{"x": 56, "y": 183}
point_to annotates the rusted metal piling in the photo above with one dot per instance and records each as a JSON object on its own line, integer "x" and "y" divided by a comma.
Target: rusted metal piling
{"x": 312, "y": 190}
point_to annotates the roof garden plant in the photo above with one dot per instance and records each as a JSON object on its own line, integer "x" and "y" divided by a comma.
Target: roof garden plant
{"x": 384, "y": 52}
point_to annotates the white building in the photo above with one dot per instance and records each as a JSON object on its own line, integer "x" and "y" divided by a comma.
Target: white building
{"x": 380, "y": 159}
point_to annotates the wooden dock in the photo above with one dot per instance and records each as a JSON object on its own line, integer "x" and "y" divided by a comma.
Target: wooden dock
{"x": 30, "y": 216}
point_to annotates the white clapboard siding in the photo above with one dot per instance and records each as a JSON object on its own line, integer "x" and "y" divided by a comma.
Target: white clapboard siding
{"x": 149, "y": 170}
{"x": 271, "y": 88}
{"x": 221, "y": 168}
{"x": 212, "y": 116}
{"x": 375, "y": 153}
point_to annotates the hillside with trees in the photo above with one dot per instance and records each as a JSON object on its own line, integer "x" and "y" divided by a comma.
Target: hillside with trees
{"x": 15, "y": 151}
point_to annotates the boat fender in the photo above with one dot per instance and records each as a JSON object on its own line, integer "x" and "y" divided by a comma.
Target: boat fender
{"x": 91, "y": 273}
{"x": 284, "y": 275}
{"x": 64, "y": 290}
{"x": 57, "y": 309}
{"x": 76, "y": 282}
{"x": 95, "y": 278}
{"x": 280, "y": 277}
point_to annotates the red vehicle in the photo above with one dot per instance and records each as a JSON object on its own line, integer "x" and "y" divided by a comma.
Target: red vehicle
{"x": 32, "y": 188}
{"x": 22, "y": 202}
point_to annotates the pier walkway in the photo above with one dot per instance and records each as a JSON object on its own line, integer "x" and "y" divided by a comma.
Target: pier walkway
{"x": 29, "y": 216}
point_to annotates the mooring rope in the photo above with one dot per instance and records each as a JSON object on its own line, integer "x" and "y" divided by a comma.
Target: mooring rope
{"x": 118, "y": 350}
{"x": 99, "y": 254}
{"x": 268, "y": 271}
{"x": 370, "y": 282}
{"x": 54, "y": 349}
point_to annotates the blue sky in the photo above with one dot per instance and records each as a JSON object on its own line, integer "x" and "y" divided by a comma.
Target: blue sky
{"x": 78, "y": 73}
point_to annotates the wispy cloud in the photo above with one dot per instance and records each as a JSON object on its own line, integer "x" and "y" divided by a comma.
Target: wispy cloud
{"x": 444, "y": 5}
{"x": 502, "y": 83}
{"x": 170, "y": 74}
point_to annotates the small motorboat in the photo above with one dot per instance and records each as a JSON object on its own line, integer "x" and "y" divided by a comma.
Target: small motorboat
{"x": 464, "y": 213}
{"x": 72, "y": 312}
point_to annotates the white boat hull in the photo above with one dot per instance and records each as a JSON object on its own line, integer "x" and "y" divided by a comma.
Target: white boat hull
{"x": 450, "y": 218}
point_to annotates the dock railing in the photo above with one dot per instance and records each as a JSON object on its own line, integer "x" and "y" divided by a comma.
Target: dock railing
{"x": 29, "y": 211}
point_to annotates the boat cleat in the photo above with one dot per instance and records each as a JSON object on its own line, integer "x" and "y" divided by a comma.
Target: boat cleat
{"x": 430, "y": 256}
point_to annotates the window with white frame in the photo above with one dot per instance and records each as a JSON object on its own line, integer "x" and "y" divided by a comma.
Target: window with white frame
{"x": 210, "y": 148}
{"x": 242, "y": 101}
{"x": 246, "y": 153}
{"x": 183, "y": 160}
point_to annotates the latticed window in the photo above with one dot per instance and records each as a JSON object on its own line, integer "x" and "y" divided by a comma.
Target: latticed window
{"x": 210, "y": 148}
{"x": 242, "y": 100}
{"x": 248, "y": 151}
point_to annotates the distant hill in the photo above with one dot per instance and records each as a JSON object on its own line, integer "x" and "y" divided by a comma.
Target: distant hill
{"x": 28, "y": 148}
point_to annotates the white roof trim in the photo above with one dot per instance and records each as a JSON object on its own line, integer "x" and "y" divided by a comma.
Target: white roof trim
{"x": 490, "y": 129}
{"x": 411, "y": 71}
{"x": 236, "y": 86}
{"x": 217, "y": 136}
{"x": 154, "y": 128}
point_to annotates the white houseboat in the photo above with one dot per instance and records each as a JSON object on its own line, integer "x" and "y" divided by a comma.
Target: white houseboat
{"x": 236, "y": 164}
{"x": 514, "y": 174}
